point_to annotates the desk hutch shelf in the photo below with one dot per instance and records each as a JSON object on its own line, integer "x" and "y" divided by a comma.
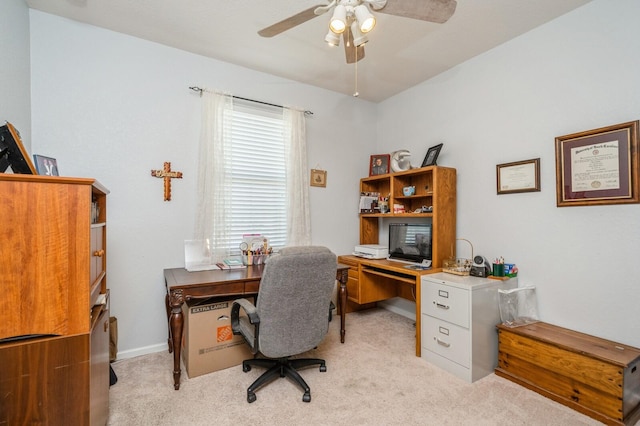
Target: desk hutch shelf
{"x": 374, "y": 280}
{"x": 435, "y": 187}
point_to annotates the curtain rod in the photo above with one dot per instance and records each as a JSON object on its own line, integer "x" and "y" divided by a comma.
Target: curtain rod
{"x": 198, "y": 89}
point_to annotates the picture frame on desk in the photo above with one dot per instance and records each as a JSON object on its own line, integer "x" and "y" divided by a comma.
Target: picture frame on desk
{"x": 432, "y": 155}
{"x": 598, "y": 167}
{"x": 46, "y": 166}
{"x": 12, "y": 153}
{"x": 379, "y": 164}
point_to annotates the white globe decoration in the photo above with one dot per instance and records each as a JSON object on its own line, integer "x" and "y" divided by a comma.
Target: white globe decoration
{"x": 400, "y": 160}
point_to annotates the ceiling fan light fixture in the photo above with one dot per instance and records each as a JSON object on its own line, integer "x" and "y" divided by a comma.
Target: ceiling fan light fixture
{"x": 358, "y": 38}
{"x": 332, "y": 39}
{"x": 366, "y": 21}
{"x": 338, "y": 21}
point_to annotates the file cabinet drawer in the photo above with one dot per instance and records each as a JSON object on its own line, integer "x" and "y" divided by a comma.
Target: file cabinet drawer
{"x": 446, "y": 302}
{"x": 447, "y": 340}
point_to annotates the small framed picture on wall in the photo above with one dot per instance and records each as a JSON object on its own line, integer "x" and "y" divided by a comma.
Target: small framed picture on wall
{"x": 318, "y": 178}
{"x": 379, "y": 164}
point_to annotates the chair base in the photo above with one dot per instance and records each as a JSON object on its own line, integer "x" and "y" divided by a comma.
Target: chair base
{"x": 283, "y": 367}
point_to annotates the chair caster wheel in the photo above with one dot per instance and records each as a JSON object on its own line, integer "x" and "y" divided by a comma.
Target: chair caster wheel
{"x": 323, "y": 368}
{"x": 246, "y": 368}
{"x": 306, "y": 397}
{"x": 251, "y": 397}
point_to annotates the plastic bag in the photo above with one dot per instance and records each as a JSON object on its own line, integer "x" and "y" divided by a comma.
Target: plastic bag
{"x": 518, "y": 306}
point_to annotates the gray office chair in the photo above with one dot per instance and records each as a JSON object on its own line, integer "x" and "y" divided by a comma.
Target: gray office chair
{"x": 291, "y": 314}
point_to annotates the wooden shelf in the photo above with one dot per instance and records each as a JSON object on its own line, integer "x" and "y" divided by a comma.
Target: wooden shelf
{"x": 435, "y": 187}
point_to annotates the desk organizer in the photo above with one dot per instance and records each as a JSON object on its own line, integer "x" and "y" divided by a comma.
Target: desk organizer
{"x": 458, "y": 266}
{"x": 255, "y": 259}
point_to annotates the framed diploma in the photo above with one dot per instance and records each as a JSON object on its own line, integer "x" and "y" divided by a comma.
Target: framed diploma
{"x": 521, "y": 176}
{"x": 598, "y": 166}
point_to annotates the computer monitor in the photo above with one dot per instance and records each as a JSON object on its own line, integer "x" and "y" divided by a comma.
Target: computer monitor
{"x": 410, "y": 242}
{"x": 12, "y": 153}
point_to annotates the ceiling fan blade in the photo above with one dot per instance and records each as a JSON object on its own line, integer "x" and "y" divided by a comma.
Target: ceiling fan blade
{"x": 290, "y": 22}
{"x": 438, "y": 11}
{"x": 352, "y": 52}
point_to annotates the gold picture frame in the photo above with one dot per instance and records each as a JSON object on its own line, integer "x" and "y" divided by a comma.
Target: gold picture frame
{"x": 519, "y": 176}
{"x": 318, "y": 178}
{"x": 12, "y": 153}
{"x": 598, "y": 167}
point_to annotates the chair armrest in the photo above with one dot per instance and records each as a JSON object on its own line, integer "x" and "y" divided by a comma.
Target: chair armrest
{"x": 250, "y": 310}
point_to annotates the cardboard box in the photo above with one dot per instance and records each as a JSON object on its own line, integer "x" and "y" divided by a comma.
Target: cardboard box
{"x": 208, "y": 344}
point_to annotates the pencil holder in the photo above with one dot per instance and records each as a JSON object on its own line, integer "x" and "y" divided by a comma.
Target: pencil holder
{"x": 498, "y": 269}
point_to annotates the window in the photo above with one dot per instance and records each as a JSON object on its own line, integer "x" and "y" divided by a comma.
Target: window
{"x": 256, "y": 165}
{"x": 251, "y": 175}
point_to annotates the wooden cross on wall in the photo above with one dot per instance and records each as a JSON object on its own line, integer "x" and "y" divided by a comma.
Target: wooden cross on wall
{"x": 167, "y": 175}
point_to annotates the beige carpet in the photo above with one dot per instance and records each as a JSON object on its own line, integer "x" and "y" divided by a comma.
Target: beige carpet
{"x": 373, "y": 378}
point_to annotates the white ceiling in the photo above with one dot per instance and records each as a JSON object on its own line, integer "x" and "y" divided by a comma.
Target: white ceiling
{"x": 401, "y": 52}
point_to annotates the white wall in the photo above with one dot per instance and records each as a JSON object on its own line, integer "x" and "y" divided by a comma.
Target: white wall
{"x": 15, "y": 82}
{"x": 113, "y": 107}
{"x": 576, "y": 73}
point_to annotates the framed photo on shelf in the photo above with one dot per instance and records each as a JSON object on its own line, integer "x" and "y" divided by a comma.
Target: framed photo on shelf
{"x": 432, "y": 155}
{"x": 379, "y": 164}
{"x": 519, "y": 176}
{"x": 46, "y": 166}
{"x": 599, "y": 166}
{"x": 318, "y": 178}
{"x": 12, "y": 152}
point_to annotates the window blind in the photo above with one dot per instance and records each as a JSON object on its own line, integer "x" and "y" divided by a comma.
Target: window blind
{"x": 256, "y": 165}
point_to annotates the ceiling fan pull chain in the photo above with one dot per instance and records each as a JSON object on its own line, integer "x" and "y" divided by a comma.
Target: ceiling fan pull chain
{"x": 355, "y": 94}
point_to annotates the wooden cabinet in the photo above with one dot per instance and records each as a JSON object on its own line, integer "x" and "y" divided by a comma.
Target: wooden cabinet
{"x": 459, "y": 318}
{"x": 54, "y": 304}
{"x": 594, "y": 376}
{"x": 435, "y": 187}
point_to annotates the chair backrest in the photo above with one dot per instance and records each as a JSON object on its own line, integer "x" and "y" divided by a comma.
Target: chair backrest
{"x": 293, "y": 300}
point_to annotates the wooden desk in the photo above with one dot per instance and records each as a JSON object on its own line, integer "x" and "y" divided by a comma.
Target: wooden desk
{"x": 374, "y": 280}
{"x": 183, "y": 286}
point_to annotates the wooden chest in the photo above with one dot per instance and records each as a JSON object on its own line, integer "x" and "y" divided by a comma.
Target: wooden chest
{"x": 596, "y": 377}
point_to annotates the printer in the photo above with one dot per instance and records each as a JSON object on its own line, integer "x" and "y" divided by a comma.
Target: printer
{"x": 371, "y": 251}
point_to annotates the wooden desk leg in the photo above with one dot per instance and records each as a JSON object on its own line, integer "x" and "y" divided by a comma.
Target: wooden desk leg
{"x": 342, "y": 301}
{"x": 176, "y": 322}
{"x": 168, "y": 308}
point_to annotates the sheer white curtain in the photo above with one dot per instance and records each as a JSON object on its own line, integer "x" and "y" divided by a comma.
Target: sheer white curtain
{"x": 214, "y": 183}
{"x": 298, "y": 215}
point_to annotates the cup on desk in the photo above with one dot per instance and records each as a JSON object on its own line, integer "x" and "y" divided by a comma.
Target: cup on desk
{"x": 498, "y": 269}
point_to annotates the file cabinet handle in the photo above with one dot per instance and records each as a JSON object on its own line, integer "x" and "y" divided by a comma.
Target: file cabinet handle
{"x": 441, "y": 306}
{"x": 442, "y": 343}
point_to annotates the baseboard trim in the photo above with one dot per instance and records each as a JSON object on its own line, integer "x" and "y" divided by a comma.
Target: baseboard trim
{"x": 145, "y": 350}
{"x": 400, "y": 306}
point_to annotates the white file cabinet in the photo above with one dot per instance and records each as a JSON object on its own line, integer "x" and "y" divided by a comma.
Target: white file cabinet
{"x": 459, "y": 318}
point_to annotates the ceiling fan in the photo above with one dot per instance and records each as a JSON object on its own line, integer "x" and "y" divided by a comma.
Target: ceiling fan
{"x": 353, "y": 19}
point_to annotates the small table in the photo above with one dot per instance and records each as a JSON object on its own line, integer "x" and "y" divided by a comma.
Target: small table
{"x": 184, "y": 286}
